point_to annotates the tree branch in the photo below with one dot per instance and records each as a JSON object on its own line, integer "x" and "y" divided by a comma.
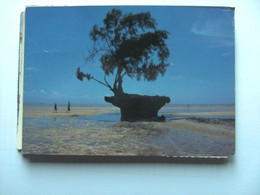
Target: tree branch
{"x": 124, "y": 74}
{"x": 94, "y": 52}
{"x": 107, "y": 83}
{"x": 108, "y": 44}
{"x": 80, "y": 76}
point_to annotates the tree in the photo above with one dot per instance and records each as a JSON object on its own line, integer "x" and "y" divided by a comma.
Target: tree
{"x": 128, "y": 45}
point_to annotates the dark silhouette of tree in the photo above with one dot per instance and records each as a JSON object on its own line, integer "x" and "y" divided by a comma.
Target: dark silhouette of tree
{"x": 128, "y": 45}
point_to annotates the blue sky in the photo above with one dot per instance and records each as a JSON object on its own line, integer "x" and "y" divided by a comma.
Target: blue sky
{"x": 201, "y": 44}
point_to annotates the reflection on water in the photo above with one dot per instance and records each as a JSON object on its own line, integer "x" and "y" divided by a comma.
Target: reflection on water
{"x": 192, "y": 142}
{"x": 101, "y": 120}
{"x": 109, "y": 119}
{"x": 196, "y": 108}
{"x": 105, "y": 134}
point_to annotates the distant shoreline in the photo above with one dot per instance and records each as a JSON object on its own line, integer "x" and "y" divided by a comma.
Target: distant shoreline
{"x": 108, "y": 104}
{"x": 36, "y": 111}
{"x": 75, "y": 111}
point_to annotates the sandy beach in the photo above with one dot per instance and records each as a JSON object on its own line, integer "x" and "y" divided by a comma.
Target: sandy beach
{"x": 77, "y": 133}
{"x": 75, "y": 112}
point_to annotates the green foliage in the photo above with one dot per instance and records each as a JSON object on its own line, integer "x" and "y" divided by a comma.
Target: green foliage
{"x": 131, "y": 45}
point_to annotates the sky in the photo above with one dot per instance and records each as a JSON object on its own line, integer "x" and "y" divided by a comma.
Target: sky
{"x": 201, "y": 45}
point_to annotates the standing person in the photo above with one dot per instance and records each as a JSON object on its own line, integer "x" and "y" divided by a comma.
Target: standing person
{"x": 55, "y": 107}
{"x": 68, "y": 110}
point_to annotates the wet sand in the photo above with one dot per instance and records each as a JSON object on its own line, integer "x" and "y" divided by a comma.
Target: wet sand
{"x": 75, "y": 111}
{"x": 180, "y": 137}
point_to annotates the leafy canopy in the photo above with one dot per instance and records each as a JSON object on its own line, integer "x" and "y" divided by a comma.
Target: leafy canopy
{"x": 129, "y": 44}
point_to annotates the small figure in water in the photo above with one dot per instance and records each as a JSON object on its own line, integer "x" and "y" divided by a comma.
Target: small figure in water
{"x": 68, "y": 110}
{"x": 55, "y": 108}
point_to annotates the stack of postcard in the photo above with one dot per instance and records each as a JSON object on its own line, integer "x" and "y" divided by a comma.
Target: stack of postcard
{"x": 127, "y": 81}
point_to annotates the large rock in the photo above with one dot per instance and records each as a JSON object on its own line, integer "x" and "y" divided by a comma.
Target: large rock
{"x": 139, "y": 107}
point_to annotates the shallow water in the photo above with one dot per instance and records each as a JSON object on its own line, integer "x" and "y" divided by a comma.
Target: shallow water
{"x": 106, "y": 134}
{"x": 101, "y": 120}
{"x": 196, "y": 108}
{"x": 193, "y": 143}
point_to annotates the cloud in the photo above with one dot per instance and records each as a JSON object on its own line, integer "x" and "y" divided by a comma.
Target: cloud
{"x": 172, "y": 64}
{"x": 55, "y": 94}
{"x": 32, "y": 92}
{"x": 43, "y": 91}
{"x": 214, "y": 28}
{"x": 186, "y": 79}
{"x": 227, "y": 54}
{"x": 30, "y": 68}
{"x": 221, "y": 42}
{"x": 216, "y": 32}
{"x": 40, "y": 48}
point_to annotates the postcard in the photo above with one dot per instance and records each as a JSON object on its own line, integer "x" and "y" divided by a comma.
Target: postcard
{"x": 153, "y": 81}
